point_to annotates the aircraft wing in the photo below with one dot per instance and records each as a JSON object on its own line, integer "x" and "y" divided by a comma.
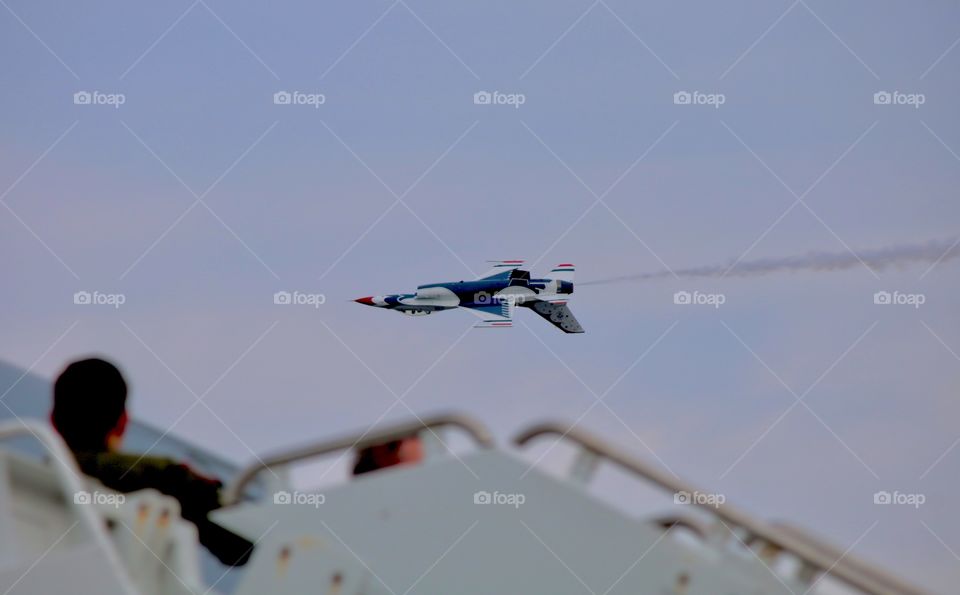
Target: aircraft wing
{"x": 557, "y": 314}
{"x": 494, "y": 314}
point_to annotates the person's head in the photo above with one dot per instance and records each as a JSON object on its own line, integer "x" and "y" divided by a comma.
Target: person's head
{"x": 395, "y": 452}
{"x": 89, "y": 406}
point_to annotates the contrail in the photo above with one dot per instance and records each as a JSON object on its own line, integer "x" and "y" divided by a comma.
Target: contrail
{"x": 892, "y": 256}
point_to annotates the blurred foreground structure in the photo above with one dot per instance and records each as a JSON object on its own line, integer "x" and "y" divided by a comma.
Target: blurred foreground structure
{"x": 482, "y": 521}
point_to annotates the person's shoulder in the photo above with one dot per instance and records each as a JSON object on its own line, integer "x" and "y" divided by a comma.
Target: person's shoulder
{"x": 129, "y": 472}
{"x": 93, "y": 461}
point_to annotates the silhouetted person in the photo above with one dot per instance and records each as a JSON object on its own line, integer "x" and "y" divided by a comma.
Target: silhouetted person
{"x": 395, "y": 452}
{"x": 89, "y": 412}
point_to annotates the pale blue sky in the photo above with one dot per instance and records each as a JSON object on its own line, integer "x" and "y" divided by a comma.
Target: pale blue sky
{"x": 798, "y": 80}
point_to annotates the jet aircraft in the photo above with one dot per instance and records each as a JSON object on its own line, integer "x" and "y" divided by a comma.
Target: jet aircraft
{"x": 493, "y": 297}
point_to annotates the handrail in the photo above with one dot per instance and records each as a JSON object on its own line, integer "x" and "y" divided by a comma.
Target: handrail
{"x": 69, "y": 475}
{"x": 854, "y": 572}
{"x": 473, "y": 428}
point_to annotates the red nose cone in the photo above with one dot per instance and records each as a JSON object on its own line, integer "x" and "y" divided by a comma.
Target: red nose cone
{"x": 365, "y": 300}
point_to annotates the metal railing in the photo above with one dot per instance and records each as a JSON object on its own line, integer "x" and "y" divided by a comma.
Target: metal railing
{"x": 71, "y": 482}
{"x": 357, "y": 440}
{"x": 815, "y": 554}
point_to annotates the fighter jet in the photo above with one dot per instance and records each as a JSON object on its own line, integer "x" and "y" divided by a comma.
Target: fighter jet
{"x": 493, "y": 297}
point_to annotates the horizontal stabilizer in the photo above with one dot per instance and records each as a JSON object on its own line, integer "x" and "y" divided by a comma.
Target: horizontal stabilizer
{"x": 559, "y": 315}
{"x": 494, "y": 324}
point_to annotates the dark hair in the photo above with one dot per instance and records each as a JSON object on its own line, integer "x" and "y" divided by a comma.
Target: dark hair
{"x": 89, "y": 398}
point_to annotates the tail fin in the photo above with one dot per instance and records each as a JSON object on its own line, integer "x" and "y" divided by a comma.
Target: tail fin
{"x": 562, "y": 272}
{"x": 501, "y": 269}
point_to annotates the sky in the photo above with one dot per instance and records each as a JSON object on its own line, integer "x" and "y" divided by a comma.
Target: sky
{"x": 184, "y": 189}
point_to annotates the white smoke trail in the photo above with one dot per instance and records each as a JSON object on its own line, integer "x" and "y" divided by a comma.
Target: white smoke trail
{"x": 899, "y": 256}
